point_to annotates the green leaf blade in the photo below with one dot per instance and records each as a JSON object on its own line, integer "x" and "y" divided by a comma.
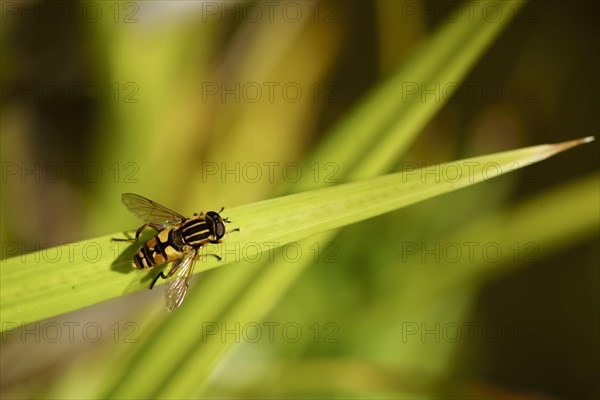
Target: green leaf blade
{"x": 32, "y": 290}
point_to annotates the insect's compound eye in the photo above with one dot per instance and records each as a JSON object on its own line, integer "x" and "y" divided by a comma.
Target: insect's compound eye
{"x": 217, "y": 223}
{"x": 219, "y": 230}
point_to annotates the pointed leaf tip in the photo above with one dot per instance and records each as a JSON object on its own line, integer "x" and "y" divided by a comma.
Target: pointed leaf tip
{"x": 588, "y": 139}
{"x": 562, "y": 146}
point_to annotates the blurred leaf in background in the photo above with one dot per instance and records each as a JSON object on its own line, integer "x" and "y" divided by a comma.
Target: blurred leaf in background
{"x": 491, "y": 291}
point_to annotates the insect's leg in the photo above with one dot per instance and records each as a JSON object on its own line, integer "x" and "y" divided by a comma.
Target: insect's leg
{"x": 161, "y": 274}
{"x": 137, "y": 233}
{"x": 141, "y": 229}
{"x": 214, "y": 255}
{"x": 123, "y": 240}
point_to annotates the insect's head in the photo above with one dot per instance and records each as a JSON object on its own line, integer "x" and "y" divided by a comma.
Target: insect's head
{"x": 217, "y": 224}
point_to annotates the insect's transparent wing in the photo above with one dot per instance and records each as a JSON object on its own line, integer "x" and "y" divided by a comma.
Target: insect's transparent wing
{"x": 150, "y": 211}
{"x": 178, "y": 285}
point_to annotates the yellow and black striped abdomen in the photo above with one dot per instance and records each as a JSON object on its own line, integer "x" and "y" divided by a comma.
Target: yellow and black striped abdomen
{"x": 165, "y": 247}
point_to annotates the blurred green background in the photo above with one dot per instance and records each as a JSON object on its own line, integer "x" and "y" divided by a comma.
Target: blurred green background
{"x": 199, "y": 105}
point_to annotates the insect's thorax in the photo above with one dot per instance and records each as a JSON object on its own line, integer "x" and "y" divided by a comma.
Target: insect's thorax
{"x": 196, "y": 231}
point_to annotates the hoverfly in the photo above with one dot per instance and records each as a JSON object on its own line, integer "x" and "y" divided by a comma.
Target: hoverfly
{"x": 179, "y": 240}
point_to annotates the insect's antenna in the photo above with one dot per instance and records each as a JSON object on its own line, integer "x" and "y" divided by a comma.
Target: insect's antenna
{"x": 233, "y": 230}
{"x": 222, "y": 208}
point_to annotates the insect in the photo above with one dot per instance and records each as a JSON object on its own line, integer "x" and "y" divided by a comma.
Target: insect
{"x": 178, "y": 240}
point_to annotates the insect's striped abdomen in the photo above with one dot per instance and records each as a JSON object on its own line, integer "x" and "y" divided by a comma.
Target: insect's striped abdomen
{"x": 165, "y": 247}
